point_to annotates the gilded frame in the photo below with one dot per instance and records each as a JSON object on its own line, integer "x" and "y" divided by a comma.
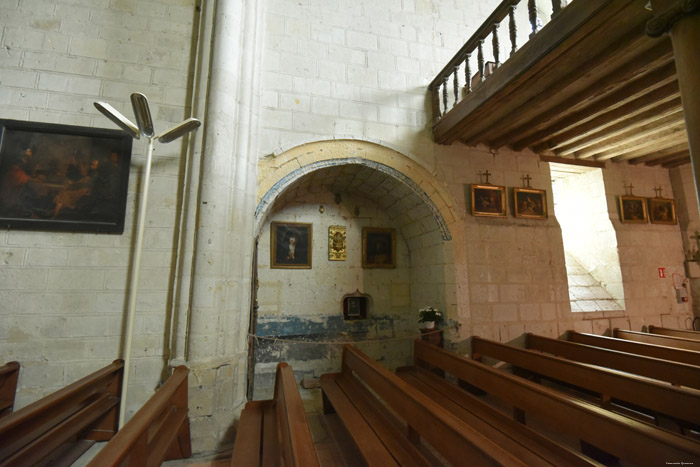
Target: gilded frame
{"x": 291, "y": 245}
{"x": 378, "y": 247}
{"x": 488, "y": 200}
{"x": 662, "y": 211}
{"x": 530, "y": 203}
{"x": 633, "y": 209}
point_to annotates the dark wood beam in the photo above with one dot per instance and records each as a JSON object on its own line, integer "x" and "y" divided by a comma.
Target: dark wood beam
{"x": 566, "y": 160}
{"x": 669, "y": 151}
{"x": 642, "y": 150}
{"x": 677, "y": 162}
{"x": 672, "y": 159}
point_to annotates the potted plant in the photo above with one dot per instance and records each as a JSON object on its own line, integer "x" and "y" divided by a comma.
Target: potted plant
{"x": 430, "y": 316}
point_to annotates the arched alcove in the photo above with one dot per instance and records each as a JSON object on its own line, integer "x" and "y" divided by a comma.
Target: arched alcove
{"x": 302, "y": 307}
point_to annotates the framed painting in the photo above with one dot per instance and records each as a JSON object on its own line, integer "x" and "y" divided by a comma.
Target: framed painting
{"x": 63, "y": 178}
{"x": 488, "y": 200}
{"x": 633, "y": 209}
{"x": 378, "y": 247}
{"x": 337, "y": 247}
{"x": 290, "y": 245}
{"x": 662, "y": 211}
{"x": 530, "y": 203}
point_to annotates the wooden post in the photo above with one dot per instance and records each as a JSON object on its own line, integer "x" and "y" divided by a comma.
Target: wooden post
{"x": 682, "y": 20}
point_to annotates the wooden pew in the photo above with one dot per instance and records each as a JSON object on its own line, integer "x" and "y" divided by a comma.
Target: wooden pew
{"x": 629, "y": 440}
{"x": 676, "y": 373}
{"x": 275, "y": 431}
{"x": 639, "y": 348}
{"x": 381, "y": 438}
{"x": 66, "y": 423}
{"x": 9, "y": 374}
{"x": 685, "y": 333}
{"x": 668, "y": 341}
{"x": 159, "y": 431}
{"x": 680, "y": 404}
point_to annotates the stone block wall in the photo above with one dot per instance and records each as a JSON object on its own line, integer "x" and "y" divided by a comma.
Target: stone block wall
{"x": 63, "y": 295}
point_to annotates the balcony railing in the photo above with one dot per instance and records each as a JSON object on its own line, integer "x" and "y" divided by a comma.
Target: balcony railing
{"x": 445, "y": 94}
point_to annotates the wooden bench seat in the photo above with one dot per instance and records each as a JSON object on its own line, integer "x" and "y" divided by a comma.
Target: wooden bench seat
{"x": 676, "y": 373}
{"x": 159, "y": 431}
{"x": 627, "y": 439}
{"x": 682, "y": 405}
{"x": 276, "y": 431}
{"x": 66, "y": 423}
{"x": 685, "y": 333}
{"x": 415, "y": 414}
{"x": 638, "y": 348}
{"x": 668, "y": 341}
{"x": 9, "y": 374}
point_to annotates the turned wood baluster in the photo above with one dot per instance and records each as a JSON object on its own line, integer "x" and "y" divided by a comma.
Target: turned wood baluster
{"x": 444, "y": 95}
{"x": 556, "y": 7}
{"x": 468, "y": 73}
{"x": 513, "y": 29}
{"x": 436, "y": 103}
{"x": 496, "y": 45}
{"x": 480, "y": 60}
{"x": 532, "y": 13}
{"x": 455, "y": 83}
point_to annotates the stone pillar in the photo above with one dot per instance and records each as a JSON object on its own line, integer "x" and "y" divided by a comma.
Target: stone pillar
{"x": 681, "y": 19}
{"x": 216, "y": 324}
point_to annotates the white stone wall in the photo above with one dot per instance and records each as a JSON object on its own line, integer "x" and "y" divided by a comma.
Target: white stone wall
{"x": 63, "y": 295}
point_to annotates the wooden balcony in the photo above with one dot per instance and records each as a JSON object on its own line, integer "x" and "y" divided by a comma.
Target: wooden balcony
{"x": 589, "y": 87}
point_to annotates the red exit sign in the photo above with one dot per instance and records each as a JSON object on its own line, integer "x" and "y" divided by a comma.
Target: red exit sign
{"x": 662, "y": 273}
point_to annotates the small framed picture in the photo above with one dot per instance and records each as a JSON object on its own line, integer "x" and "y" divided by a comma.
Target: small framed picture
{"x": 290, "y": 245}
{"x": 488, "y": 200}
{"x": 337, "y": 243}
{"x": 633, "y": 209}
{"x": 530, "y": 203}
{"x": 378, "y": 247}
{"x": 662, "y": 211}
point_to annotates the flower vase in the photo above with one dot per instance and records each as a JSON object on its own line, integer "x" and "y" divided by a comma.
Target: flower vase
{"x": 429, "y": 324}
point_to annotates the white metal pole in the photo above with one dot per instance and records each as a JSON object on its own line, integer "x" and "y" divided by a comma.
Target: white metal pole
{"x": 133, "y": 286}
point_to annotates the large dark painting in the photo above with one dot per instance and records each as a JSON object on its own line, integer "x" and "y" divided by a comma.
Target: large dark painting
{"x": 290, "y": 245}
{"x": 60, "y": 177}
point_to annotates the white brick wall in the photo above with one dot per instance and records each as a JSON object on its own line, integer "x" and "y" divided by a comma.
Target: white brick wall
{"x": 63, "y": 295}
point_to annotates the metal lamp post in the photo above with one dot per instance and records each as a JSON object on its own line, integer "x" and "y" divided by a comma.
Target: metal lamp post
{"x": 144, "y": 127}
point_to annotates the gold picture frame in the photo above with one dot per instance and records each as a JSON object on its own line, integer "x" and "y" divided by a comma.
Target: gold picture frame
{"x": 488, "y": 200}
{"x": 290, "y": 245}
{"x": 530, "y": 203}
{"x": 337, "y": 243}
{"x": 633, "y": 209}
{"x": 662, "y": 211}
{"x": 378, "y": 247}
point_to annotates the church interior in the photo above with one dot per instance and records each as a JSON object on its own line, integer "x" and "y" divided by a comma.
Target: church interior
{"x": 349, "y": 232}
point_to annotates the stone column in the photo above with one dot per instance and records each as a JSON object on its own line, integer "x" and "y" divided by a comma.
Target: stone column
{"x": 216, "y": 324}
{"x": 681, "y": 19}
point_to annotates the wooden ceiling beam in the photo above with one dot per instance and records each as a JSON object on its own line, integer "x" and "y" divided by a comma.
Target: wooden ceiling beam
{"x": 532, "y": 117}
{"x": 669, "y": 151}
{"x": 631, "y": 137}
{"x": 643, "y": 150}
{"x": 669, "y": 159}
{"x": 571, "y": 161}
{"x": 572, "y": 141}
{"x": 670, "y": 164}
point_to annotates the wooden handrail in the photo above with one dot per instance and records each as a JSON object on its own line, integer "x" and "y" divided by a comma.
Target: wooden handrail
{"x": 9, "y": 375}
{"x": 684, "y": 333}
{"x": 166, "y": 409}
{"x": 669, "y": 341}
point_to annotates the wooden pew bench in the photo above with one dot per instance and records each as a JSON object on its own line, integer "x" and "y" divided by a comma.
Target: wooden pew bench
{"x": 682, "y": 405}
{"x": 627, "y": 439}
{"x": 638, "y": 348}
{"x": 159, "y": 431}
{"x": 275, "y": 431}
{"x": 9, "y": 374}
{"x": 668, "y": 341}
{"x": 684, "y": 333}
{"x": 63, "y": 425}
{"x": 680, "y": 374}
{"x": 387, "y": 418}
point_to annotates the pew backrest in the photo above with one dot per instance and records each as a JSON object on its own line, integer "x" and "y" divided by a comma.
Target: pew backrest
{"x": 88, "y": 407}
{"x": 296, "y": 441}
{"x": 664, "y": 370}
{"x": 685, "y": 333}
{"x": 681, "y": 404}
{"x": 638, "y": 348}
{"x": 668, "y": 341}
{"x": 158, "y": 431}
{"x": 625, "y": 438}
{"x": 9, "y": 374}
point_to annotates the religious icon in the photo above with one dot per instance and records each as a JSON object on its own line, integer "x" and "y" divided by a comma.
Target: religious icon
{"x": 488, "y": 200}
{"x": 530, "y": 203}
{"x": 662, "y": 211}
{"x": 290, "y": 245}
{"x": 633, "y": 209}
{"x": 337, "y": 247}
{"x": 378, "y": 247}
